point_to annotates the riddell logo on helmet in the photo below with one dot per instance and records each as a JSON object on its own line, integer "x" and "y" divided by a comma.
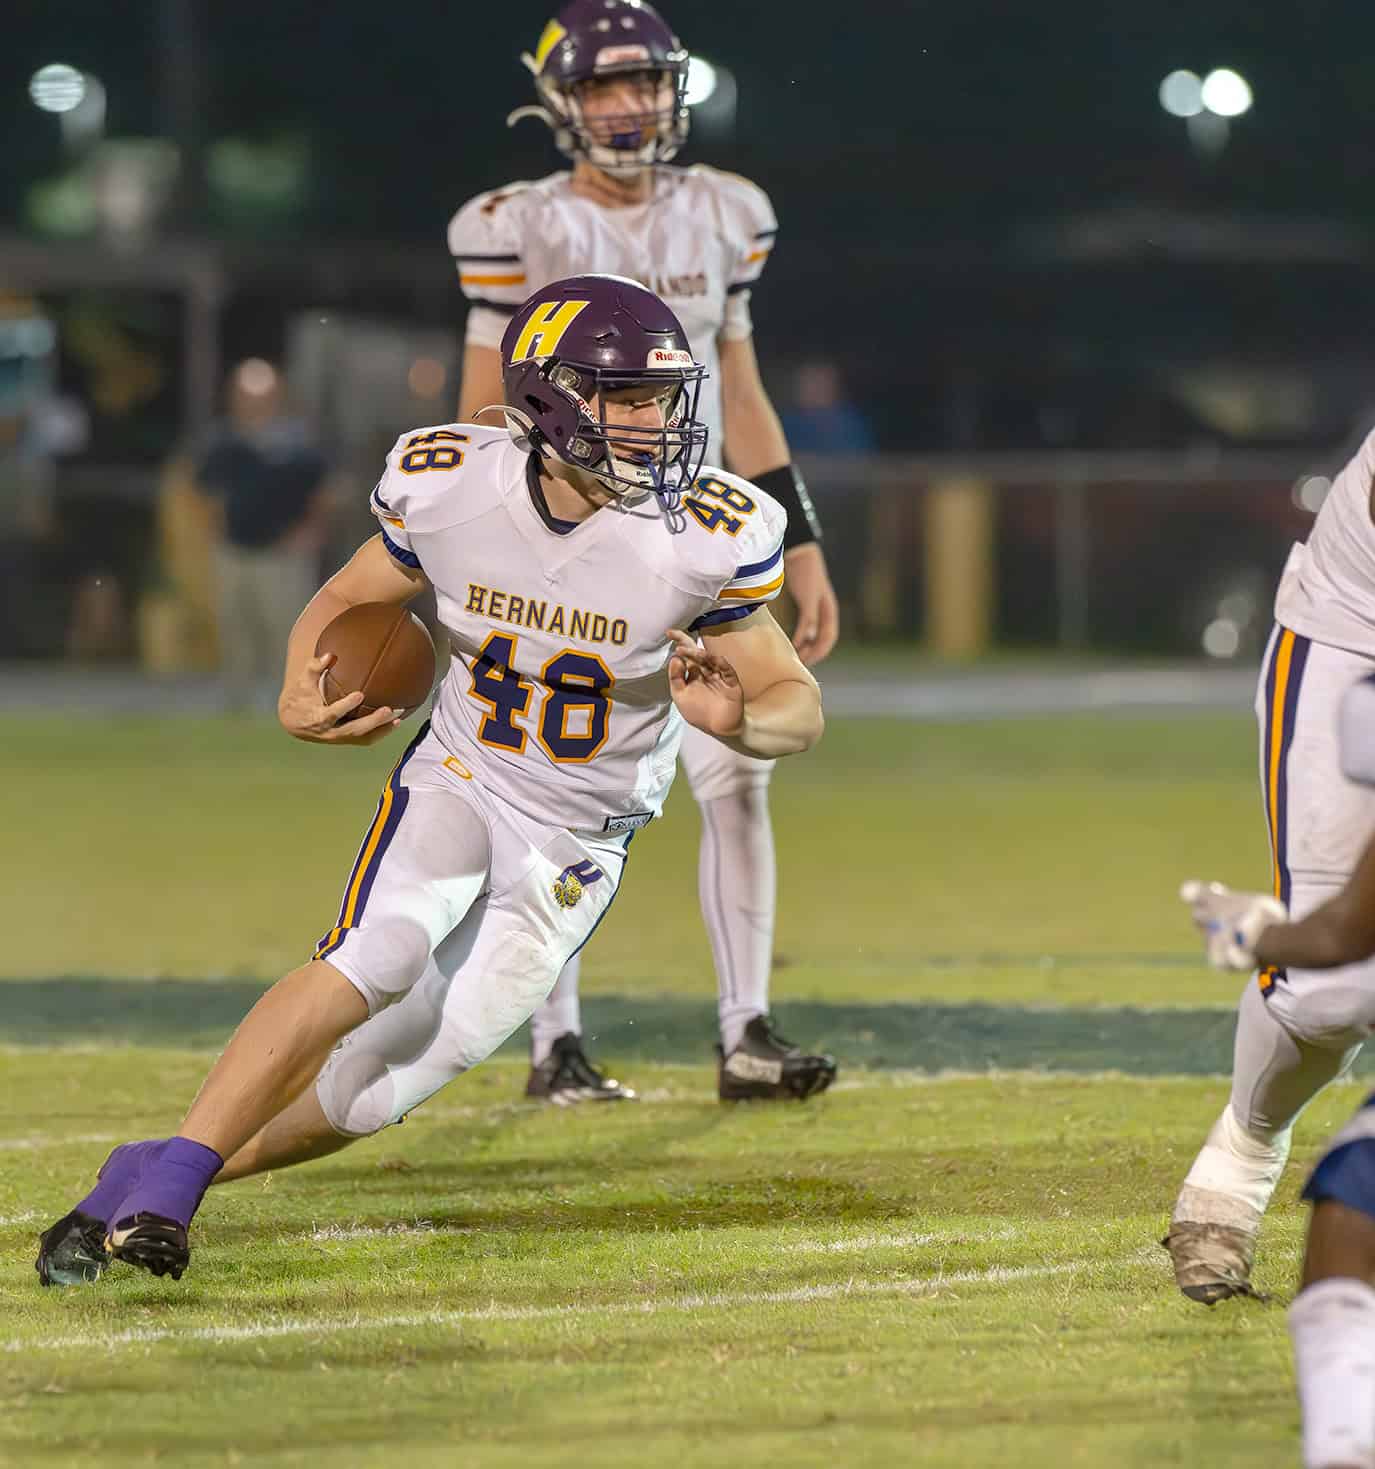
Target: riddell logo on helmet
{"x": 668, "y": 357}
{"x": 619, "y": 55}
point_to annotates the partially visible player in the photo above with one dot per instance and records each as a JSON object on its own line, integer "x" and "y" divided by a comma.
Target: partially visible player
{"x": 1332, "y": 1321}
{"x": 611, "y": 81}
{"x": 1297, "y": 1028}
{"x": 576, "y": 557}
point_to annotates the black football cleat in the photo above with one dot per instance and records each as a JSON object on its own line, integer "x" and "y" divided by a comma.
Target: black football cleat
{"x": 766, "y": 1068}
{"x": 72, "y": 1251}
{"x": 150, "y": 1241}
{"x": 566, "y": 1077}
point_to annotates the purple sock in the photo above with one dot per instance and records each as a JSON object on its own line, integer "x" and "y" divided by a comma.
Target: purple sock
{"x": 173, "y": 1183}
{"x": 118, "y": 1175}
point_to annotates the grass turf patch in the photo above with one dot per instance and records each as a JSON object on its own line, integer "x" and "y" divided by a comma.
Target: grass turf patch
{"x": 956, "y": 1269}
{"x": 1008, "y": 862}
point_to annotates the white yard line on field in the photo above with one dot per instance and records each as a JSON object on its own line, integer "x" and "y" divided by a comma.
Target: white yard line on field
{"x": 895, "y": 1241}
{"x": 57, "y": 1140}
{"x": 724, "y": 1300}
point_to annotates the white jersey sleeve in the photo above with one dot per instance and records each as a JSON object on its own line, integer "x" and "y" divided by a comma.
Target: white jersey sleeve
{"x": 753, "y": 523}
{"x": 419, "y": 475}
{"x": 386, "y": 502}
{"x": 750, "y": 227}
{"x": 1356, "y": 733}
{"x": 486, "y": 241}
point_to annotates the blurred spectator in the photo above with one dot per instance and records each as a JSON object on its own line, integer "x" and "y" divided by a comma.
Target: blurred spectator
{"x": 269, "y": 479}
{"x": 822, "y": 420}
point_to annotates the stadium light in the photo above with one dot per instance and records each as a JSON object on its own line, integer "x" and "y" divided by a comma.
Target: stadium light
{"x": 57, "y": 88}
{"x": 701, "y": 81}
{"x": 1181, "y": 94}
{"x": 1226, "y": 93}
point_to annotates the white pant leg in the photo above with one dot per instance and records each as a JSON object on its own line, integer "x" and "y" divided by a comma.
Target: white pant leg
{"x": 482, "y": 982}
{"x": 424, "y": 861}
{"x": 736, "y": 875}
{"x": 714, "y": 770}
{"x": 1320, "y": 823}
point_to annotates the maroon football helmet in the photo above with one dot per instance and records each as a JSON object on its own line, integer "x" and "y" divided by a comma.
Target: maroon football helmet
{"x": 589, "y": 335}
{"x": 604, "y": 38}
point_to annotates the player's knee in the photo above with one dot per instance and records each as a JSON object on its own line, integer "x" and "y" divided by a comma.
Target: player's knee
{"x": 356, "y": 1093}
{"x": 1330, "y": 1016}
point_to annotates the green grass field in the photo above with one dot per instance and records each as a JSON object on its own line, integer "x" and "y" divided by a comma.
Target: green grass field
{"x": 949, "y": 1259}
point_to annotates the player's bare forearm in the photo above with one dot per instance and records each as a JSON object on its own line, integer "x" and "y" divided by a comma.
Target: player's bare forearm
{"x": 1341, "y": 931}
{"x": 780, "y": 703}
{"x": 752, "y": 431}
{"x": 371, "y": 575}
{"x": 784, "y": 720}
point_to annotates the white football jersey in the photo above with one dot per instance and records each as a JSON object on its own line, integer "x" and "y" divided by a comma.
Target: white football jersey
{"x": 1327, "y": 591}
{"x": 700, "y": 244}
{"x": 557, "y": 698}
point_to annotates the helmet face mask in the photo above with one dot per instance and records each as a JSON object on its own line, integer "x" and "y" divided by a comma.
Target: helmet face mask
{"x": 619, "y": 141}
{"x": 598, "y": 41}
{"x": 599, "y": 377}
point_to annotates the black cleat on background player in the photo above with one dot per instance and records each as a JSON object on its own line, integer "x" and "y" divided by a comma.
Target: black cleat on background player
{"x": 566, "y": 1077}
{"x": 765, "y": 1067}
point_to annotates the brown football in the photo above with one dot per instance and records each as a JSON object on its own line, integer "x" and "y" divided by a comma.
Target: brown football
{"x": 381, "y": 649}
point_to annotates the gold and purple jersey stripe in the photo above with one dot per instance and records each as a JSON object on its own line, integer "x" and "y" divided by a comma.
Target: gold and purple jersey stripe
{"x": 390, "y": 809}
{"x": 758, "y": 582}
{"x": 1288, "y": 653}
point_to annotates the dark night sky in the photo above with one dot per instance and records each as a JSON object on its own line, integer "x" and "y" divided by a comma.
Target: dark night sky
{"x": 901, "y": 122}
{"x": 906, "y": 147}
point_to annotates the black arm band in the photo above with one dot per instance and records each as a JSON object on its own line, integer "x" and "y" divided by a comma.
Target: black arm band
{"x": 786, "y": 486}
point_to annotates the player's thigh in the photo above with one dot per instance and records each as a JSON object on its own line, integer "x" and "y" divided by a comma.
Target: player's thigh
{"x": 482, "y": 982}
{"x": 714, "y": 770}
{"x": 424, "y": 861}
{"x": 1319, "y": 824}
{"x": 1319, "y": 821}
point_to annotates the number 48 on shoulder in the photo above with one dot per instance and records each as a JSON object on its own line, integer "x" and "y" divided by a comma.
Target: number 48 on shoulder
{"x": 719, "y": 506}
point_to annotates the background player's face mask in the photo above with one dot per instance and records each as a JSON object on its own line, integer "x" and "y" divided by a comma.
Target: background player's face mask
{"x": 619, "y": 121}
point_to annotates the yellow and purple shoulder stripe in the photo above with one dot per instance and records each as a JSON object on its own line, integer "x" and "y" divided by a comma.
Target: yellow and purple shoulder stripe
{"x": 390, "y": 809}
{"x": 1286, "y": 658}
{"x": 760, "y": 581}
{"x": 748, "y": 590}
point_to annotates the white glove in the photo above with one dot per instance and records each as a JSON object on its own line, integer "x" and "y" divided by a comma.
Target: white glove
{"x": 1231, "y": 923}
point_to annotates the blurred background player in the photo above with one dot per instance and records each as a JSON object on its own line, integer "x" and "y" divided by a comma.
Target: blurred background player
{"x": 1298, "y": 1027}
{"x": 611, "y": 79}
{"x": 1332, "y": 1320}
{"x": 265, "y": 472}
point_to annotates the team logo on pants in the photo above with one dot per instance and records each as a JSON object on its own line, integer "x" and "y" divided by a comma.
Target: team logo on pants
{"x": 568, "y": 888}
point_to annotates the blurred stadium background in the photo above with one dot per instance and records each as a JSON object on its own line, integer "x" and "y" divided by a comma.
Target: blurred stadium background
{"x": 1099, "y": 356}
{"x": 1070, "y": 320}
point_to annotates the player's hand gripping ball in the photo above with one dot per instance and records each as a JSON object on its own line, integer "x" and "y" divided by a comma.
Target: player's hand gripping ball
{"x": 373, "y": 665}
{"x": 381, "y": 651}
